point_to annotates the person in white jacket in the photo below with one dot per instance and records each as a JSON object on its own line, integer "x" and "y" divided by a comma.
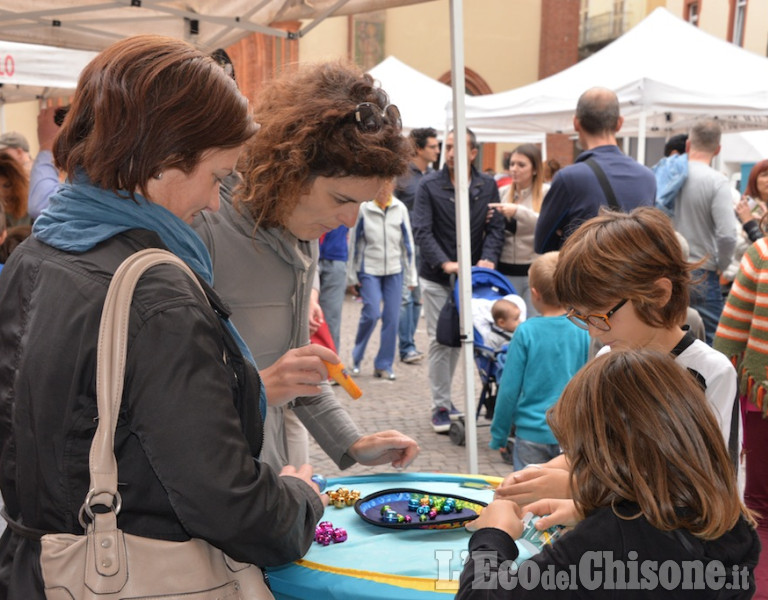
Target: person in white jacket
{"x": 381, "y": 255}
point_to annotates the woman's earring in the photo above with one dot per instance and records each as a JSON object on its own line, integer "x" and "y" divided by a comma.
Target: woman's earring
{"x": 159, "y": 175}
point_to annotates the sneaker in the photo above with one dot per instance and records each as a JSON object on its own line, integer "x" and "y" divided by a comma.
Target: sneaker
{"x": 383, "y": 373}
{"x": 455, "y": 414}
{"x": 441, "y": 421}
{"x": 412, "y": 357}
{"x": 355, "y": 369}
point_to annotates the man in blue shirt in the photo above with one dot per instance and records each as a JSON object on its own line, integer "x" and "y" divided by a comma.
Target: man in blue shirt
{"x": 332, "y": 272}
{"x": 434, "y": 229}
{"x": 576, "y": 194}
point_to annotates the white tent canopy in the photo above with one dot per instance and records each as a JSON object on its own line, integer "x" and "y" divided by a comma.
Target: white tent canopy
{"x": 666, "y": 73}
{"x": 29, "y": 71}
{"x": 94, "y": 24}
{"x": 744, "y": 147}
{"x": 420, "y": 98}
{"x": 425, "y": 102}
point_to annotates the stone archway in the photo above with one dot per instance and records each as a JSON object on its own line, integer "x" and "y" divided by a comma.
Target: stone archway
{"x": 475, "y": 85}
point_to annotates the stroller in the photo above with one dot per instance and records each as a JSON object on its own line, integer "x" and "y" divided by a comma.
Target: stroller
{"x": 487, "y": 284}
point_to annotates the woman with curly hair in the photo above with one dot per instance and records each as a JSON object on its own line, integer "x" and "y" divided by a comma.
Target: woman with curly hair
{"x": 329, "y": 139}
{"x": 14, "y": 189}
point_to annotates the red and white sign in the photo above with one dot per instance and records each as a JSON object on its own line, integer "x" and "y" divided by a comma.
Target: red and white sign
{"x": 29, "y": 71}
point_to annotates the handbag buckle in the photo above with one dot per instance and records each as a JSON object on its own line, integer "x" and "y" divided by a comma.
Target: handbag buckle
{"x": 87, "y": 510}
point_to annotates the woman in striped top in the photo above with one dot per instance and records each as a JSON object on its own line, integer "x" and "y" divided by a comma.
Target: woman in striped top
{"x": 742, "y": 335}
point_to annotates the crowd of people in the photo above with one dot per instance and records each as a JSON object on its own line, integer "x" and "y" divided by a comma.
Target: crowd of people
{"x": 620, "y": 423}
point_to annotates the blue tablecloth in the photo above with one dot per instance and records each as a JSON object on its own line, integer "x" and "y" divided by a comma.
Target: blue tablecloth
{"x": 381, "y": 563}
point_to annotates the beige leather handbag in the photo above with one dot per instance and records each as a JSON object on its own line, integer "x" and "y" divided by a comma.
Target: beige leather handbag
{"x": 106, "y": 563}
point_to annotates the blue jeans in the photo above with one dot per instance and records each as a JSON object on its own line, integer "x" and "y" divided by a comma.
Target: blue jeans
{"x": 707, "y": 299}
{"x": 531, "y": 453}
{"x": 381, "y": 298}
{"x": 410, "y": 311}
{"x": 333, "y": 285}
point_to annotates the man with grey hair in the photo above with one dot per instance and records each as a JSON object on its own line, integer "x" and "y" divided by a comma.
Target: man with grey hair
{"x": 705, "y": 217}
{"x": 601, "y": 176}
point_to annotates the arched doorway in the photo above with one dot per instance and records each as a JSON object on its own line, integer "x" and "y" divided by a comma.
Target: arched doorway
{"x": 475, "y": 85}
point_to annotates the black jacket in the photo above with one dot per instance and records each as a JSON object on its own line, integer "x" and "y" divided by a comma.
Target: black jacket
{"x": 188, "y": 428}
{"x": 607, "y": 547}
{"x": 434, "y": 222}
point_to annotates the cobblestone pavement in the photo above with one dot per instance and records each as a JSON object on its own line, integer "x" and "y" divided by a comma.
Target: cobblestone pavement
{"x": 405, "y": 405}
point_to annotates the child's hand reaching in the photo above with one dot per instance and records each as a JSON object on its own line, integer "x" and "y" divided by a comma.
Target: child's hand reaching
{"x": 554, "y": 511}
{"x": 535, "y": 483}
{"x": 500, "y": 514}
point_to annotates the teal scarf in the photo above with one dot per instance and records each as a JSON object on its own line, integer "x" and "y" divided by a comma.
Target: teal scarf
{"x": 81, "y": 215}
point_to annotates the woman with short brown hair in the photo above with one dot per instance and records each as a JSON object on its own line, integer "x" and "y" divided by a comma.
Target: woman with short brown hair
{"x": 155, "y": 125}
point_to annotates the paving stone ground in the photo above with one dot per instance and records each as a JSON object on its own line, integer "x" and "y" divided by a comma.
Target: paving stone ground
{"x": 405, "y": 405}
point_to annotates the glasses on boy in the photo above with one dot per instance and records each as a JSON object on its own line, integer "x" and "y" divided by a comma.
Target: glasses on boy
{"x": 597, "y": 321}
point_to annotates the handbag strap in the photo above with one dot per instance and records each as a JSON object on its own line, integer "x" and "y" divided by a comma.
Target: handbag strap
{"x": 604, "y": 183}
{"x": 110, "y": 373}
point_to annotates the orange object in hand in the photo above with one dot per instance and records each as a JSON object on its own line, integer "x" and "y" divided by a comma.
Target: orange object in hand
{"x": 340, "y": 376}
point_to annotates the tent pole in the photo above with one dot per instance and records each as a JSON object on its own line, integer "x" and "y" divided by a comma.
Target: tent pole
{"x": 641, "y": 138}
{"x": 462, "y": 225}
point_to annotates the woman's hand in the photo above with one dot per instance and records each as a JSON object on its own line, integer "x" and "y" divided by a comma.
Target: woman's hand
{"x": 744, "y": 211}
{"x": 554, "y": 511}
{"x": 500, "y": 514}
{"x": 385, "y": 447}
{"x": 535, "y": 483}
{"x": 508, "y": 209}
{"x": 315, "y": 313}
{"x": 304, "y": 472}
{"x": 298, "y": 372}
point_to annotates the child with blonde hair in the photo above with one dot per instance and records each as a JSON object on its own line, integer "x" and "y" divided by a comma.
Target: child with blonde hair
{"x": 545, "y": 352}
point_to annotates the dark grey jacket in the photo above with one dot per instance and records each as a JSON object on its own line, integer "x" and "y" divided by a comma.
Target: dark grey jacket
{"x": 434, "y": 222}
{"x": 188, "y": 429}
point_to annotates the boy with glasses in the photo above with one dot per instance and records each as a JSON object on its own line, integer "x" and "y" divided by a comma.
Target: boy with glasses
{"x": 625, "y": 279}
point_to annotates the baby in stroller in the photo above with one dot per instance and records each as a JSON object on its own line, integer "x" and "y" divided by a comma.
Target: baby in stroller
{"x": 496, "y": 320}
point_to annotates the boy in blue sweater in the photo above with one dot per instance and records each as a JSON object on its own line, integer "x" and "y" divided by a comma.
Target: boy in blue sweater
{"x": 545, "y": 352}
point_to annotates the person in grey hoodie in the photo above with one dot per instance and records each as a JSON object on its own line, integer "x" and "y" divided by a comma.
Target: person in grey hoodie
{"x": 328, "y": 140}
